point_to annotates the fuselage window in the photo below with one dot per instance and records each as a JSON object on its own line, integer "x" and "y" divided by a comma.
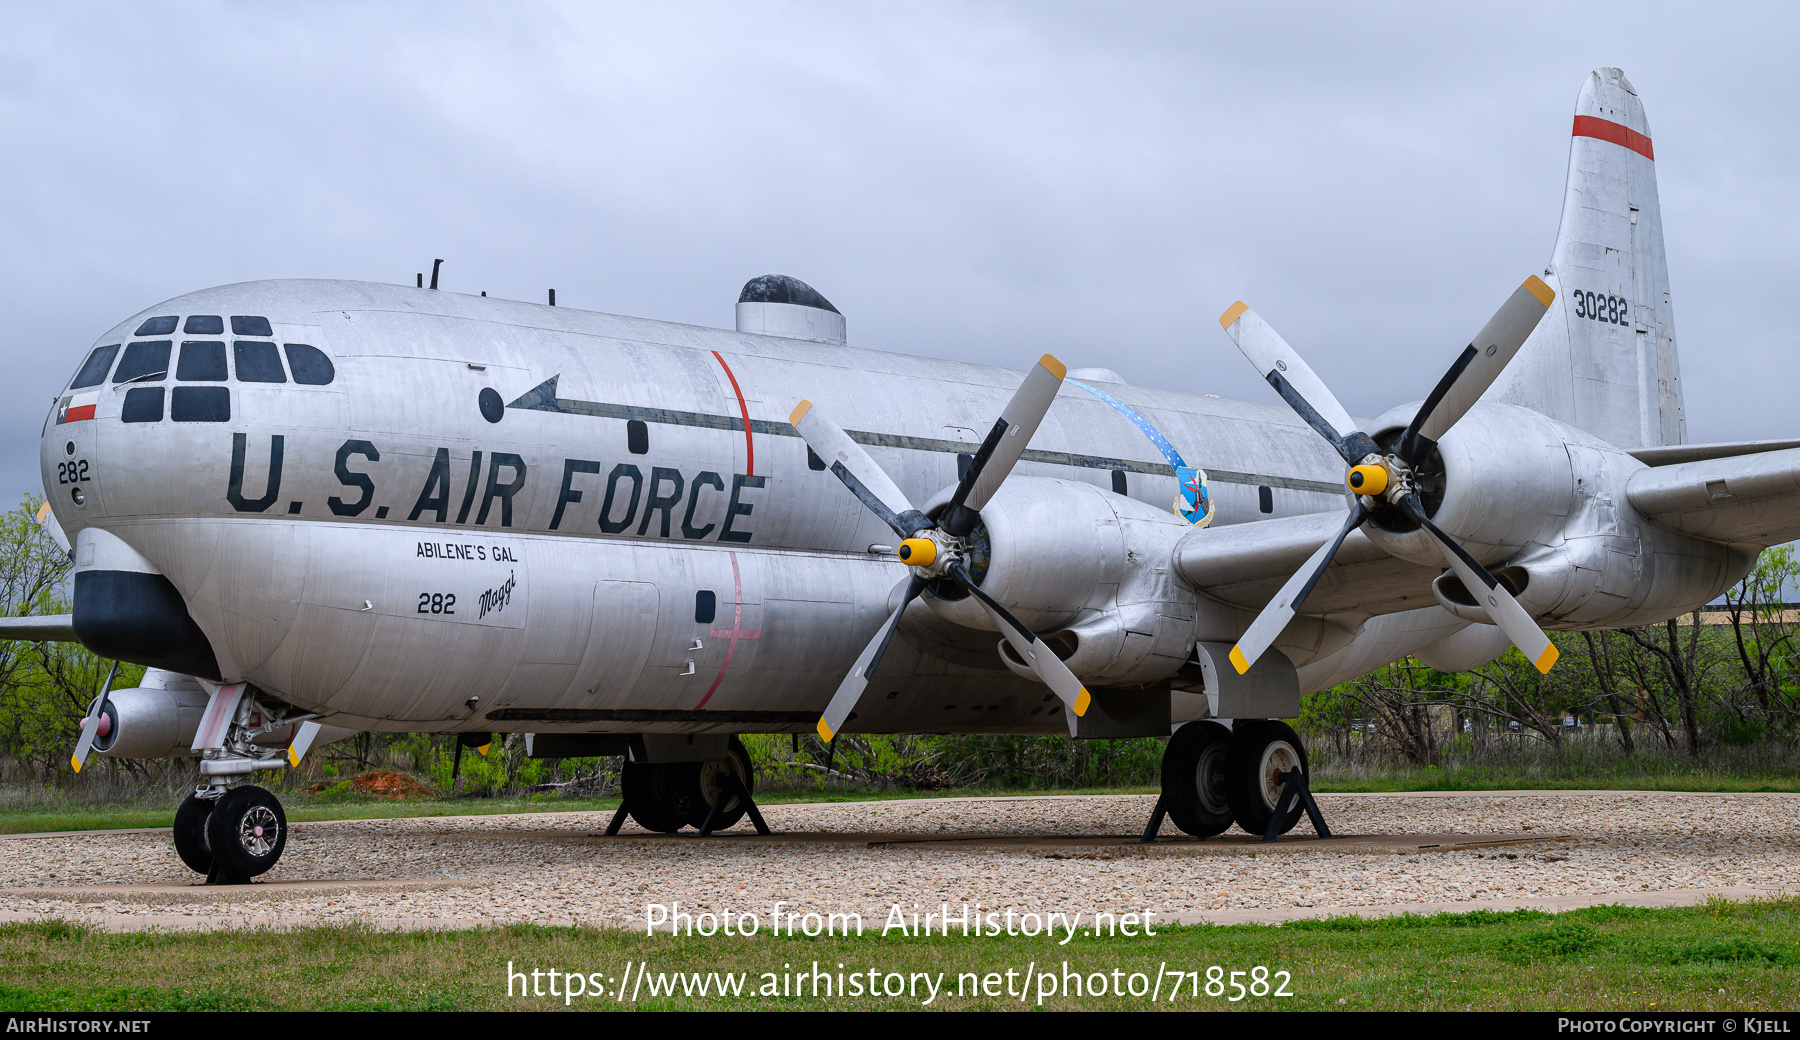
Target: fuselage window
{"x": 142, "y": 404}
{"x": 199, "y": 404}
{"x": 706, "y": 606}
{"x": 250, "y": 325}
{"x": 257, "y": 362}
{"x": 145, "y": 362}
{"x": 157, "y": 326}
{"x": 637, "y": 437}
{"x": 94, "y": 369}
{"x": 202, "y": 360}
{"x": 311, "y": 366}
{"x": 1265, "y": 499}
{"x": 204, "y": 325}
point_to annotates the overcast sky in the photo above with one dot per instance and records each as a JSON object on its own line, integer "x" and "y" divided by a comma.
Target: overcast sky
{"x": 979, "y": 181}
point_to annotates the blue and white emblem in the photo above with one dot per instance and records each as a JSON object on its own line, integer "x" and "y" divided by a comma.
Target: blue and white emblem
{"x": 1192, "y": 500}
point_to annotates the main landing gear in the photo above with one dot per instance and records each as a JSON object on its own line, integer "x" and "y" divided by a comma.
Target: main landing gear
{"x": 1253, "y": 774}
{"x": 708, "y": 796}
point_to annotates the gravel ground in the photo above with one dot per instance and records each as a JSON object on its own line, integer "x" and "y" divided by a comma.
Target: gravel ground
{"x": 548, "y": 868}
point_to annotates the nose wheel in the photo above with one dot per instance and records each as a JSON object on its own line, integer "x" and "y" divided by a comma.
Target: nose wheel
{"x": 233, "y": 838}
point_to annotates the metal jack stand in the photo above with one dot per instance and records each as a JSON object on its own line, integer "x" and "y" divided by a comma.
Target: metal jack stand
{"x": 1293, "y": 784}
{"x": 215, "y": 876}
{"x": 1156, "y": 820}
{"x": 734, "y": 786}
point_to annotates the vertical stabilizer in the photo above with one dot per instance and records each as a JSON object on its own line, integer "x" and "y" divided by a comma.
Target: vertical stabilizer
{"x": 1604, "y": 359}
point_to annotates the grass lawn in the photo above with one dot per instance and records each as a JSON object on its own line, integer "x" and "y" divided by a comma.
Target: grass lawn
{"x": 1719, "y": 956}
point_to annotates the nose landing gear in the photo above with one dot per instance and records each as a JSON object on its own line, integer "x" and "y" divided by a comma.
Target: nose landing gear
{"x": 231, "y": 836}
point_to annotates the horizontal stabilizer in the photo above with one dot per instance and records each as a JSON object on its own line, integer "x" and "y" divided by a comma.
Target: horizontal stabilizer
{"x": 1673, "y": 454}
{"x": 1751, "y": 500}
{"x": 1246, "y": 564}
{"x": 50, "y": 628}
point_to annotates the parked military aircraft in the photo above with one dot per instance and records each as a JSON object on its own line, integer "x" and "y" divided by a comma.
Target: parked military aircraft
{"x": 316, "y": 507}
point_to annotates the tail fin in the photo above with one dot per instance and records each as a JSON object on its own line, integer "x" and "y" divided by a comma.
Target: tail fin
{"x": 1604, "y": 359}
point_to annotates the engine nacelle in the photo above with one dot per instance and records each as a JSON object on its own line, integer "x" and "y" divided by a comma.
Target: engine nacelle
{"x": 159, "y": 720}
{"x": 1090, "y": 570}
{"x": 1500, "y": 480}
{"x": 1543, "y": 505}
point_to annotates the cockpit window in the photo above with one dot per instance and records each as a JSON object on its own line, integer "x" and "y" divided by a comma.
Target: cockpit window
{"x": 204, "y": 325}
{"x": 250, "y": 325}
{"x": 93, "y": 370}
{"x": 146, "y": 361}
{"x": 142, "y": 404}
{"x": 257, "y": 362}
{"x": 201, "y": 361}
{"x": 156, "y": 326}
{"x": 200, "y": 404}
{"x": 311, "y": 366}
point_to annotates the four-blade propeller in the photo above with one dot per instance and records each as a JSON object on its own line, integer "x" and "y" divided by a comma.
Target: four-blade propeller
{"x": 1385, "y": 479}
{"x": 935, "y": 549}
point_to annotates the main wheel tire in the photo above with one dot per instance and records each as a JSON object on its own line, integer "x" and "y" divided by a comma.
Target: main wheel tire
{"x": 246, "y": 832}
{"x": 1261, "y": 748}
{"x": 643, "y": 785}
{"x": 693, "y": 787}
{"x": 1195, "y": 779}
{"x": 190, "y": 834}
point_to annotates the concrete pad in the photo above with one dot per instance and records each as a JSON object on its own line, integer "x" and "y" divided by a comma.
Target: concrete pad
{"x": 1549, "y": 904}
{"x": 1071, "y": 845}
{"x": 200, "y": 894}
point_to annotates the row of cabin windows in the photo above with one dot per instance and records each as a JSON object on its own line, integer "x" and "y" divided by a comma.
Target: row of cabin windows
{"x": 207, "y": 325}
{"x": 256, "y": 361}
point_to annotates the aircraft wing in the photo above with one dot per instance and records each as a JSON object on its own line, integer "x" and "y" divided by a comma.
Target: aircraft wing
{"x": 50, "y": 628}
{"x": 1246, "y": 564}
{"x": 1745, "y": 500}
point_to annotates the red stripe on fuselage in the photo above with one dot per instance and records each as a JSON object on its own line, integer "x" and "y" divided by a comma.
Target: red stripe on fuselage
{"x": 744, "y": 410}
{"x": 1607, "y": 130}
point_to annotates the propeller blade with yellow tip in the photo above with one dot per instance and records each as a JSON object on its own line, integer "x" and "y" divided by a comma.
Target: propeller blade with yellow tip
{"x": 1032, "y": 650}
{"x": 1489, "y": 594}
{"x": 1296, "y": 382}
{"x": 90, "y": 723}
{"x": 1476, "y": 368}
{"x": 847, "y": 461}
{"x": 850, "y": 691}
{"x": 1005, "y": 442}
{"x": 1274, "y": 617}
{"x": 302, "y": 742}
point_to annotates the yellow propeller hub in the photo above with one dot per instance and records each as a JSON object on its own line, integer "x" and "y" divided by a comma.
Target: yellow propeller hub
{"x": 1368, "y": 480}
{"x": 918, "y": 552}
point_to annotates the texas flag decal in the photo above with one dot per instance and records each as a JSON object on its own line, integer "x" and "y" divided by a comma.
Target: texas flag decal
{"x": 77, "y": 407}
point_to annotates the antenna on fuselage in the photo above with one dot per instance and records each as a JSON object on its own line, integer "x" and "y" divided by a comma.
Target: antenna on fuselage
{"x": 435, "y": 264}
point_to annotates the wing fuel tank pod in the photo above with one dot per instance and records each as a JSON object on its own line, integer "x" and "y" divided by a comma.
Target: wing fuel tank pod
{"x": 778, "y": 305}
{"x": 127, "y": 610}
